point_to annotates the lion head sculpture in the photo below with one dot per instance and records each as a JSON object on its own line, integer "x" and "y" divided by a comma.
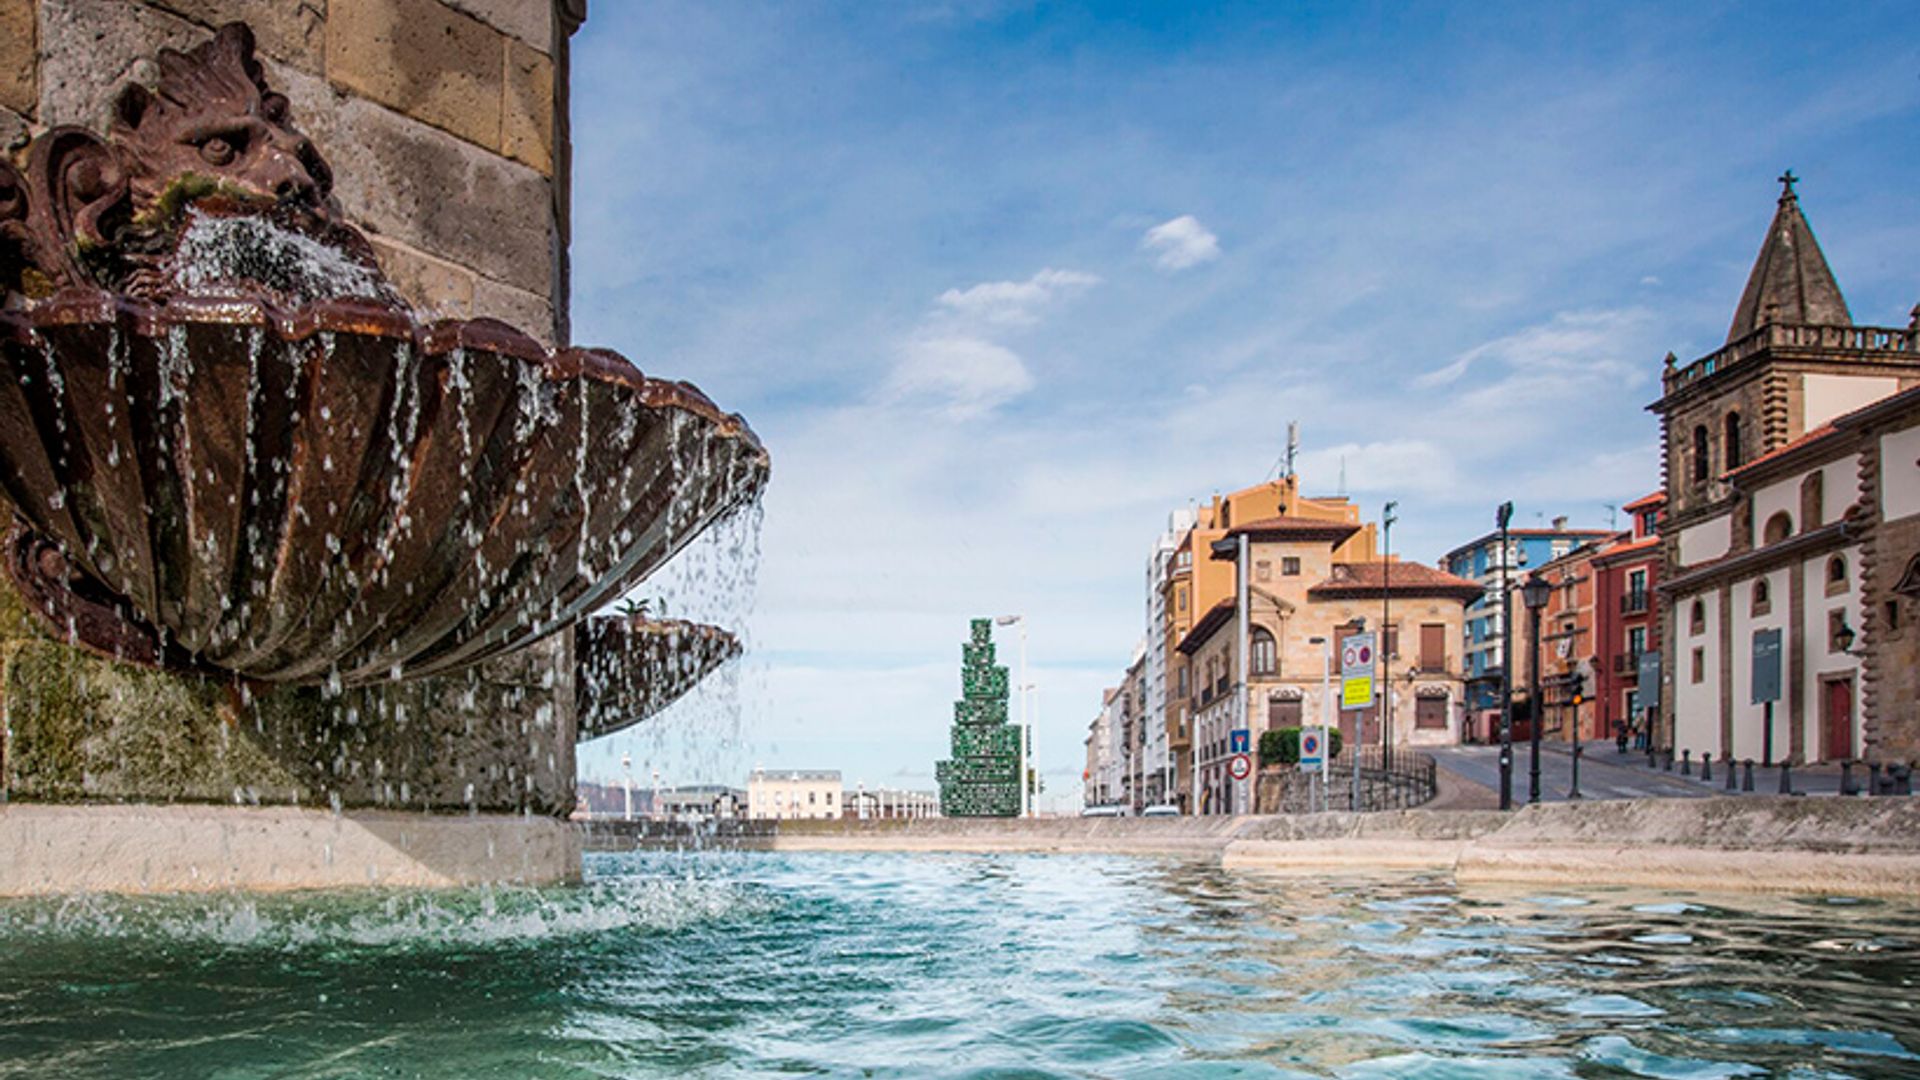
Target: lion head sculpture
{"x": 211, "y": 142}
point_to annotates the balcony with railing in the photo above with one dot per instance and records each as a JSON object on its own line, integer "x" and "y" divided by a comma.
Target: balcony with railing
{"x": 1803, "y": 339}
{"x": 1634, "y": 603}
{"x": 1628, "y": 663}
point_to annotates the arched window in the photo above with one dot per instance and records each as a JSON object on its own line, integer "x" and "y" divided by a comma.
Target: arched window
{"x": 1779, "y": 527}
{"x": 1735, "y": 452}
{"x": 1836, "y": 575}
{"x": 1697, "y": 618}
{"x": 1701, "y": 446}
{"x": 1812, "y": 493}
{"x": 1762, "y": 597}
{"x": 1265, "y": 656}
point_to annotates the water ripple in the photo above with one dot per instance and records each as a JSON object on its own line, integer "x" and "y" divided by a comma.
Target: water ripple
{"x": 882, "y": 965}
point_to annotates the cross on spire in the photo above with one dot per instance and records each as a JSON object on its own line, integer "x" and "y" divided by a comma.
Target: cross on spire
{"x": 1787, "y": 180}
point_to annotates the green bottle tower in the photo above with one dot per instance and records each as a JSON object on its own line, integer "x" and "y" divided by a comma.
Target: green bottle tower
{"x": 983, "y": 777}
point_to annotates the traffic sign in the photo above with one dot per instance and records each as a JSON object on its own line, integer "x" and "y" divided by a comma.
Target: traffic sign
{"x": 1313, "y": 746}
{"x": 1356, "y": 655}
{"x": 1239, "y": 766}
{"x": 1239, "y": 740}
{"x": 1766, "y": 666}
{"x": 1356, "y": 692}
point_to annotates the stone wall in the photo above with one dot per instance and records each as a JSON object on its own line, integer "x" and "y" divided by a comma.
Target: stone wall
{"x": 445, "y": 126}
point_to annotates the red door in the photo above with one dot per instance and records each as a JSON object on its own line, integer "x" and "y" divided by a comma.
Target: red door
{"x": 1836, "y": 719}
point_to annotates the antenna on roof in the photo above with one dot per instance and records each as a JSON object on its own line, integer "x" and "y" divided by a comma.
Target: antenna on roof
{"x": 1610, "y": 511}
{"x": 1293, "y": 445}
{"x": 1343, "y": 476}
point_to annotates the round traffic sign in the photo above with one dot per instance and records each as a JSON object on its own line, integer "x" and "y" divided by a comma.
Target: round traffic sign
{"x": 1310, "y": 744}
{"x": 1239, "y": 766}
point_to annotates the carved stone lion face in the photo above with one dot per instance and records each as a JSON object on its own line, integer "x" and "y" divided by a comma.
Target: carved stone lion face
{"x": 210, "y": 140}
{"x": 212, "y": 123}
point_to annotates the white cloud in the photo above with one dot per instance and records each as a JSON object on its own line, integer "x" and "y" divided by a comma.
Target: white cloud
{"x": 1181, "y": 243}
{"x": 964, "y": 376}
{"x": 1016, "y": 303}
{"x": 1572, "y": 343}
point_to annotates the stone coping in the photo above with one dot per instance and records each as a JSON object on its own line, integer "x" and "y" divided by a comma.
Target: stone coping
{"x": 47, "y": 850}
{"x": 1862, "y": 847}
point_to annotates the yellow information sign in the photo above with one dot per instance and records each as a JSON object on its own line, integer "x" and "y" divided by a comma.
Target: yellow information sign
{"x": 1356, "y": 692}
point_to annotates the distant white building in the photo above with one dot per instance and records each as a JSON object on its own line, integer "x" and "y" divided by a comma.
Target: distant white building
{"x": 1158, "y": 764}
{"x": 788, "y": 794}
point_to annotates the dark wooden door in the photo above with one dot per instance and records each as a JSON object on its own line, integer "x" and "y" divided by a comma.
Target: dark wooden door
{"x": 1836, "y": 719}
{"x": 1433, "y": 647}
{"x": 1430, "y": 713}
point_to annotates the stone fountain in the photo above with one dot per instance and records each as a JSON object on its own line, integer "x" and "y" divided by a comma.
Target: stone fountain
{"x": 245, "y": 475}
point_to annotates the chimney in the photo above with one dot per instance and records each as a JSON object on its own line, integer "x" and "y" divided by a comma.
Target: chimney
{"x": 1560, "y": 523}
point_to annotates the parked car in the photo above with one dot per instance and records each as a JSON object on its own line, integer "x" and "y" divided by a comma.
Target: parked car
{"x": 1104, "y": 811}
{"x": 1161, "y": 810}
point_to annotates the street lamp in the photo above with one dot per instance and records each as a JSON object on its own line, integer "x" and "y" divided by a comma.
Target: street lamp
{"x": 626, "y": 769}
{"x": 1026, "y": 725}
{"x": 1386, "y": 627}
{"x": 1328, "y": 710}
{"x": 1502, "y": 517}
{"x": 1535, "y": 593}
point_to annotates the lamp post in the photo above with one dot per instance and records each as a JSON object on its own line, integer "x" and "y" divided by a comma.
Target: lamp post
{"x": 1026, "y": 727}
{"x": 1386, "y": 628}
{"x": 1502, "y": 517}
{"x": 1535, "y": 593}
{"x": 1328, "y": 719}
{"x": 626, "y": 770}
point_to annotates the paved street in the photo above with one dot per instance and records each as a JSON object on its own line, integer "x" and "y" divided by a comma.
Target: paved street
{"x": 1605, "y": 773}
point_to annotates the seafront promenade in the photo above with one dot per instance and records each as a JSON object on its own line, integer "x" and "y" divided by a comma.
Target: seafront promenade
{"x": 1857, "y": 847}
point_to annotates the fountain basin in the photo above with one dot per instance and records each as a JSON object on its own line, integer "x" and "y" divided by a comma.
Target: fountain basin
{"x": 337, "y": 493}
{"x": 628, "y": 669}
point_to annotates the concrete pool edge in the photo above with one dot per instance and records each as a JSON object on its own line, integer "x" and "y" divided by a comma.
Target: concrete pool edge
{"x": 1862, "y": 847}
{"x": 134, "y": 848}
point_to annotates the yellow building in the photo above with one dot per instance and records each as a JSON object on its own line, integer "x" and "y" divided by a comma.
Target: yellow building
{"x": 1194, "y": 583}
{"x": 786, "y": 794}
{"x": 1311, "y": 580}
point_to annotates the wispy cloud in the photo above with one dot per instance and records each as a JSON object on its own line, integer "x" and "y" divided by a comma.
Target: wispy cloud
{"x": 1181, "y": 243}
{"x": 1016, "y": 303}
{"x": 960, "y": 376}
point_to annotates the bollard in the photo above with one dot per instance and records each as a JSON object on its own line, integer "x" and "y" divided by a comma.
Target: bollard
{"x": 1873, "y": 779}
{"x": 1746, "y": 778}
{"x": 1786, "y": 778}
{"x": 1650, "y": 761}
{"x": 1686, "y": 762}
{"x": 1846, "y": 779}
{"x": 1669, "y": 760}
{"x": 1902, "y": 779}
{"x": 1706, "y": 766}
{"x": 1733, "y": 773}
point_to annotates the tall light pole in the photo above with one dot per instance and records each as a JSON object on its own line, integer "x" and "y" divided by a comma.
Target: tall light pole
{"x": 1026, "y": 725}
{"x": 626, "y": 770}
{"x": 1245, "y": 707}
{"x": 1535, "y": 593}
{"x": 1329, "y": 721}
{"x": 1503, "y": 517}
{"x": 1386, "y": 627}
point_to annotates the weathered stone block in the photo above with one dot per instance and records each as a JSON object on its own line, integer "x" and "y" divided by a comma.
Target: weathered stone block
{"x": 526, "y": 121}
{"x": 428, "y": 189}
{"x": 293, "y": 31}
{"x": 89, "y": 48}
{"x": 530, "y": 21}
{"x": 527, "y": 311}
{"x": 423, "y": 58}
{"x": 17, "y": 59}
{"x": 14, "y": 132}
{"x": 436, "y": 288}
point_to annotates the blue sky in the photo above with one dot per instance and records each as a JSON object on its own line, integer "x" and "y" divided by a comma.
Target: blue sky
{"x": 1001, "y": 284}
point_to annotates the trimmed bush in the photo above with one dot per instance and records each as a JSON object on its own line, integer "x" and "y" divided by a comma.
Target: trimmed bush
{"x": 1281, "y": 746}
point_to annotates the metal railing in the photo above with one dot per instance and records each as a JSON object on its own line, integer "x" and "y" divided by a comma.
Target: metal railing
{"x": 1798, "y": 336}
{"x": 1633, "y": 603}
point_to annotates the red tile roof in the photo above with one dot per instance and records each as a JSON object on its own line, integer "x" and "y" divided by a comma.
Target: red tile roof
{"x": 1811, "y": 437}
{"x": 1294, "y": 527}
{"x": 1214, "y": 619}
{"x": 1656, "y": 499}
{"x": 1372, "y": 578}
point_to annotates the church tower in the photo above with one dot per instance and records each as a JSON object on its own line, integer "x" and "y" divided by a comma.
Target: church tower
{"x": 1792, "y": 362}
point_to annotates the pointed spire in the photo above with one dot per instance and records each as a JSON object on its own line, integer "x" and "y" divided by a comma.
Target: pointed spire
{"x": 1790, "y": 282}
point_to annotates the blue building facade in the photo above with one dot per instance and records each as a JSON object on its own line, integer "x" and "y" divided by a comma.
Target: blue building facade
{"x": 1480, "y": 561}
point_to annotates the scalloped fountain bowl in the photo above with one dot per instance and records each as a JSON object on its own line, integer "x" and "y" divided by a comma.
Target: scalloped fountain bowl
{"x": 337, "y": 493}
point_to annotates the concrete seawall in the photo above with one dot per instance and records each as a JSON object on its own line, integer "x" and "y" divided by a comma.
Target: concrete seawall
{"x": 173, "y": 849}
{"x": 1861, "y": 847}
